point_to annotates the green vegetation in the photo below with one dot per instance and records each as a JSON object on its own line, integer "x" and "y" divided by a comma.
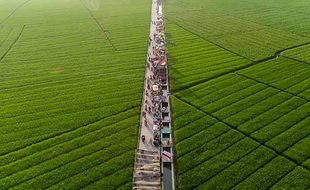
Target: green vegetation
{"x": 244, "y": 122}
{"x": 71, "y": 78}
{"x": 189, "y": 71}
{"x": 300, "y": 54}
{"x": 251, "y": 29}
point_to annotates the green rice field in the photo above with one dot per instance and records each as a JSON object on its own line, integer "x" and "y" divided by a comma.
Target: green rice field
{"x": 71, "y": 79}
{"x": 240, "y": 111}
{"x": 71, "y": 83}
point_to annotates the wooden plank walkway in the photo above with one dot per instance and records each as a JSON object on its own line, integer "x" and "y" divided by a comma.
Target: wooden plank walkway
{"x": 154, "y": 155}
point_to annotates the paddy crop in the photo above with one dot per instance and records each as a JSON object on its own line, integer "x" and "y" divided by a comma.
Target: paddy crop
{"x": 71, "y": 78}
{"x": 240, "y": 73}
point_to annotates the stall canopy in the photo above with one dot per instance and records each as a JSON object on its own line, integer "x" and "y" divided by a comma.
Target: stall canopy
{"x": 166, "y": 155}
{"x": 156, "y": 127}
{"x": 163, "y": 62}
{"x": 155, "y": 88}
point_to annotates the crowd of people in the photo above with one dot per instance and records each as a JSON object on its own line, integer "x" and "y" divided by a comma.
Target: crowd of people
{"x": 157, "y": 69}
{"x": 147, "y": 171}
